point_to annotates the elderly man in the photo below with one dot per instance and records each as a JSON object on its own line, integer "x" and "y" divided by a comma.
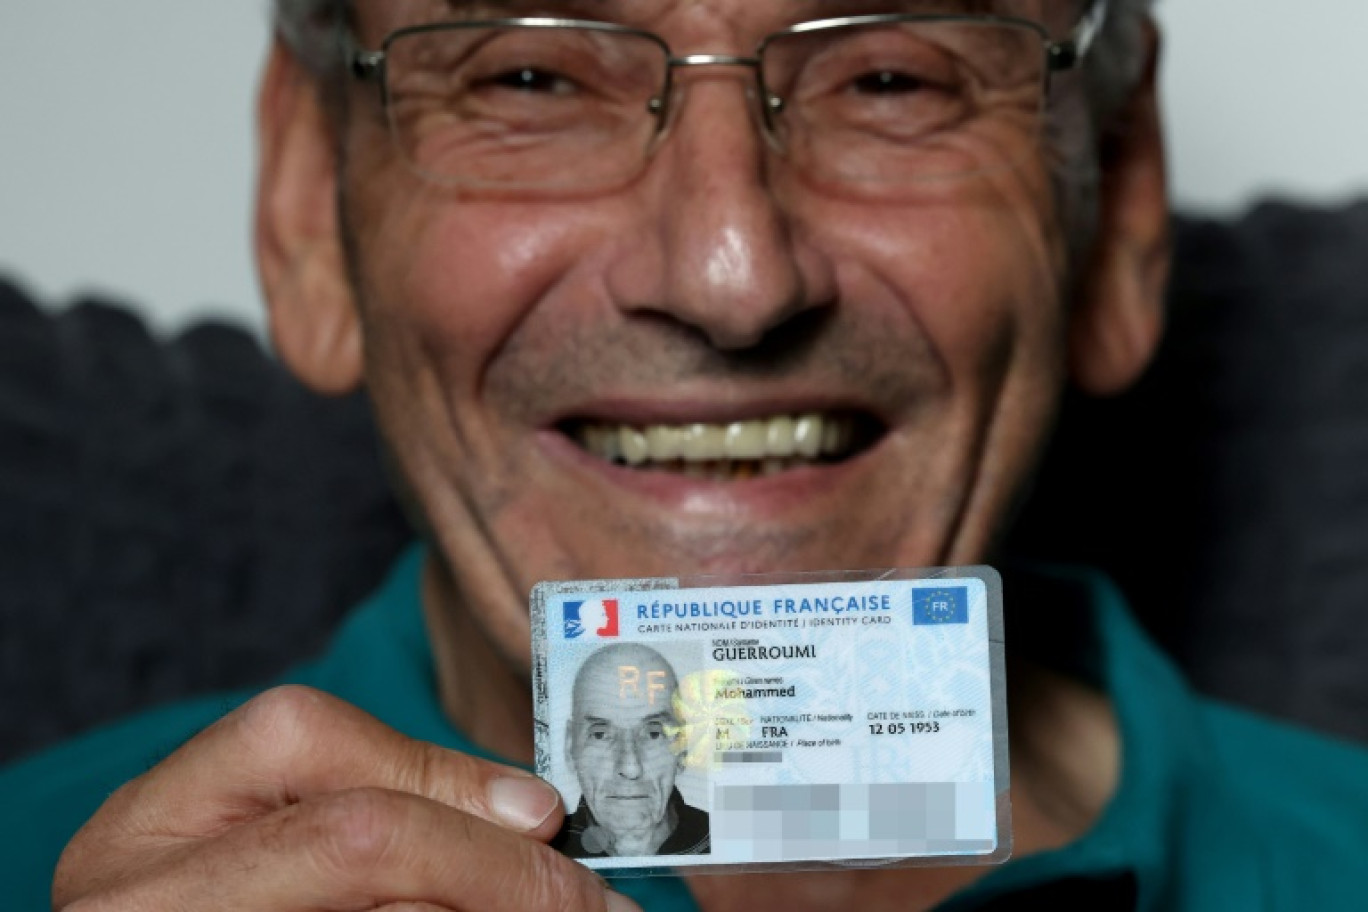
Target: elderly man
{"x": 621, "y": 745}
{"x": 664, "y": 288}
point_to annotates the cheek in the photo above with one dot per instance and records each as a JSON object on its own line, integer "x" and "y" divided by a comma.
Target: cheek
{"x": 662, "y": 774}
{"x": 595, "y": 761}
{"x": 461, "y": 276}
{"x": 1002, "y": 307}
{"x": 978, "y": 271}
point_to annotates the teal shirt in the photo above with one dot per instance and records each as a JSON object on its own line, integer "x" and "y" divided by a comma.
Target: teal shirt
{"x": 1216, "y": 809}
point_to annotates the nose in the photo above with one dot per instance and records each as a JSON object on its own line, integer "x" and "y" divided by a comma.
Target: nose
{"x": 732, "y": 261}
{"x": 627, "y": 762}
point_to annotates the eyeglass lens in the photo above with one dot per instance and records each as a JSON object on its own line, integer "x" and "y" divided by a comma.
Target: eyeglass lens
{"x": 885, "y": 103}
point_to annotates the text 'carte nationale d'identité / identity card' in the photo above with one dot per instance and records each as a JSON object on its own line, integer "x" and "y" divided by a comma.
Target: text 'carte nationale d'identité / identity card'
{"x": 797, "y": 721}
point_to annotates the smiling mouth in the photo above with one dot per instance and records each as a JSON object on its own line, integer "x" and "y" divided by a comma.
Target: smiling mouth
{"x": 736, "y": 451}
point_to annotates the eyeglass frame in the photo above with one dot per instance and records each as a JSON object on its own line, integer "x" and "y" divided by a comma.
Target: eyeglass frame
{"x": 1060, "y": 56}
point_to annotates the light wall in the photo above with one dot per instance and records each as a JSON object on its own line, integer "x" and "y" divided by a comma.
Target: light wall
{"x": 126, "y": 155}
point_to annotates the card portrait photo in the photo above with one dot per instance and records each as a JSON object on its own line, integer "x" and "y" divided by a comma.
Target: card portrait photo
{"x": 620, "y": 751}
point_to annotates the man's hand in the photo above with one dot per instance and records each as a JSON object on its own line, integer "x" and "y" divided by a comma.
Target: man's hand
{"x": 298, "y": 801}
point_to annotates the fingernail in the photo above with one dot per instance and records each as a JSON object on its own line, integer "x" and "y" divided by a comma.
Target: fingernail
{"x": 522, "y": 803}
{"x": 616, "y": 902}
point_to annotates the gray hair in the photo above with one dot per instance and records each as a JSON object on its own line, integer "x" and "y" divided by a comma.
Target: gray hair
{"x": 310, "y": 29}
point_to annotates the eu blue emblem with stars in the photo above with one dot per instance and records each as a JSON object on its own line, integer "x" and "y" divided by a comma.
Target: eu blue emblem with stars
{"x": 940, "y": 606}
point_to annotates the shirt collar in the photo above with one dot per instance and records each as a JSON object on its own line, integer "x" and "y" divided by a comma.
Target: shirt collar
{"x": 1076, "y": 620}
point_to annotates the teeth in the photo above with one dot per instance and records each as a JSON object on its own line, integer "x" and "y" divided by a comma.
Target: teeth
{"x": 633, "y": 446}
{"x": 736, "y": 450}
{"x": 831, "y": 437}
{"x": 704, "y": 443}
{"x": 602, "y": 441}
{"x": 746, "y": 440}
{"x": 807, "y": 436}
{"x": 666, "y": 443}
{"x": 836, "y": 437}
{"x": 780, "y": 437}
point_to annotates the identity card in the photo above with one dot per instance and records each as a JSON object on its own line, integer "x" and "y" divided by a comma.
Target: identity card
{"x": 804, "y": 721}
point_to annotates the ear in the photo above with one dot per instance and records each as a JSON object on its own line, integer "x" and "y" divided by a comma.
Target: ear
{"x": 299, "y": 249}
{"x": 1118, "y": 322}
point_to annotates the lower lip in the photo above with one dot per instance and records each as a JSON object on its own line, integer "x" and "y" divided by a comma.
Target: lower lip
{"x": 773, "y": 494}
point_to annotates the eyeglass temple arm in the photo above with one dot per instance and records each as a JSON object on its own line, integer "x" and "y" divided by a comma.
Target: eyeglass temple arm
{"x": 1073, "y": 50}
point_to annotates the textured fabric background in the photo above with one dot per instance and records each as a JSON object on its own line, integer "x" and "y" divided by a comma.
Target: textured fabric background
{"x": 174, "y": 518}
{"x": 180, "y": 516}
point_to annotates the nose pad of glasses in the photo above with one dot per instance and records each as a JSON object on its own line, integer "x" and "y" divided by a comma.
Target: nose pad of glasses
{"x": 661, "y": 108}
{"x": 771, "y": 111}
{"x": 764, "y": 114}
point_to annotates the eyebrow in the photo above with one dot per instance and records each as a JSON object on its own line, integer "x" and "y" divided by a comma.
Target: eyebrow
{"x": 653, "y": 717}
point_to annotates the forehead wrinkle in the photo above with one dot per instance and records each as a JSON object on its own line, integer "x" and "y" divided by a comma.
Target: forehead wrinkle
{"x": 793, "y": 11}
{"x": 747, "y": 21}
{"x": 822, "y": 9}
{"x": 424, "y": 12}
{"x": 468, "y": 9}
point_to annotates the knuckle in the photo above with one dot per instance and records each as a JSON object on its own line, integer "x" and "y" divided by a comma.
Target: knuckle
{"x": 356, "y": 830}
{"x": 115, "y": 900}
{"x": 66, "y": 880}
{"x": 93, "y": 904}
{"x": 67, "y": 875}
{"x": 452, "y": 778}
{"x": 548, "y": 880}
{"x": 83, "y": 864}
{"x": 84, "y": 904}
{"x": 123, "y": 898}
{"x": 281, "y": 721}
{"x": 421, "y": 768}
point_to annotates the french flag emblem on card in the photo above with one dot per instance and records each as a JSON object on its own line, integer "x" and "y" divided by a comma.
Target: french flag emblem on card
{"x": 596, "y": 619}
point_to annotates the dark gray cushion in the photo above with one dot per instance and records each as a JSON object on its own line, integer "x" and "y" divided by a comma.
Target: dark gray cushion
{"x": 1228, "y": 492}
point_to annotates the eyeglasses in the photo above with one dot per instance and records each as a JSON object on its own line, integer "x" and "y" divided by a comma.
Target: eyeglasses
{"x": 547, "y": 104}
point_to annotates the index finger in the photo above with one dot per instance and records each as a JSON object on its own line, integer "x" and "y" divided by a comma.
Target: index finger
{"x": 294, "y": 743}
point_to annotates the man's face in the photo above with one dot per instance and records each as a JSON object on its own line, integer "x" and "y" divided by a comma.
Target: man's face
{"x": 506, "y": 336}
{"x": 619, "y": 739}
